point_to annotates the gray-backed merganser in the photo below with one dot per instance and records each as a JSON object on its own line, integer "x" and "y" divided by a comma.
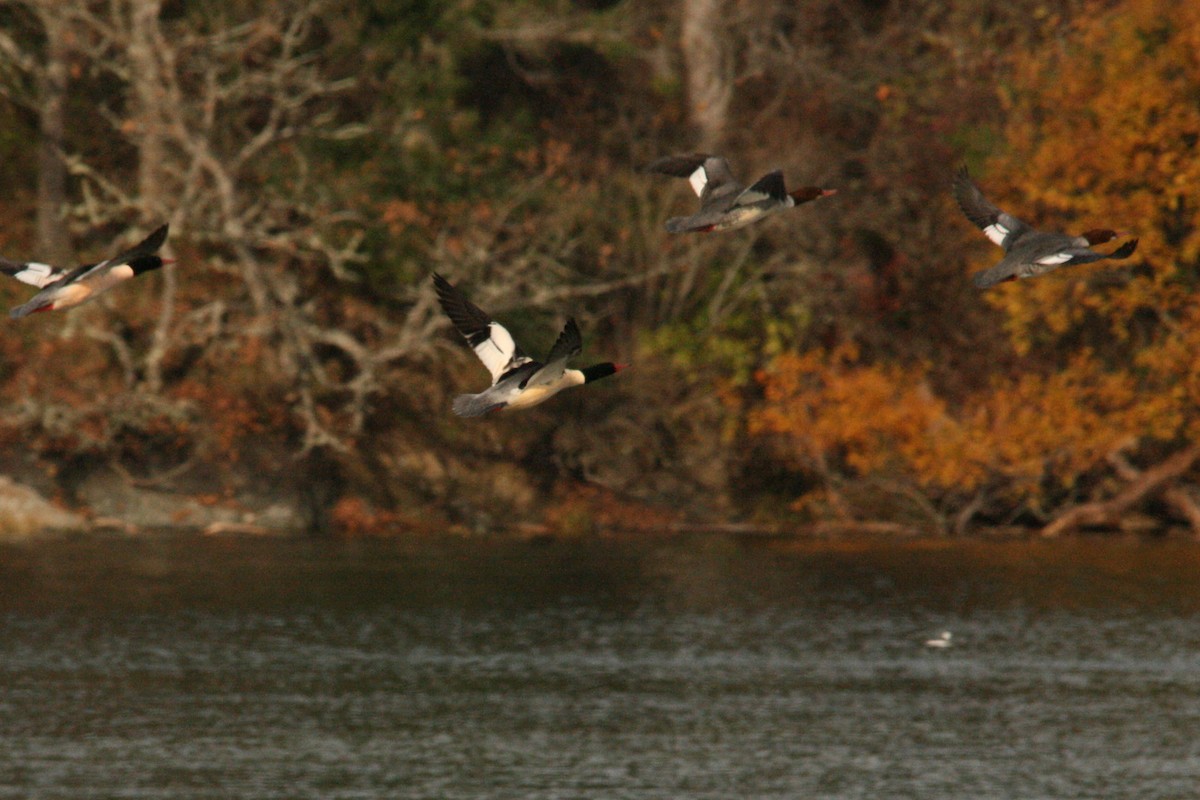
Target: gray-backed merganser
{"x": 725, "y": 203}
{"x": 517, "y": 380}
{"x": 64, "y": 288}
{"x": 1028, "y": 253}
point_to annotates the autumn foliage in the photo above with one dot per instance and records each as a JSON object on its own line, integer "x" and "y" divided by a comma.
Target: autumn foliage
{"x": 1102, "y": 131}
{"x": 318, "y": 160}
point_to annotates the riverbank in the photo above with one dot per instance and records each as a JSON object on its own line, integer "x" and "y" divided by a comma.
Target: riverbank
{"x": 115, "y": 504}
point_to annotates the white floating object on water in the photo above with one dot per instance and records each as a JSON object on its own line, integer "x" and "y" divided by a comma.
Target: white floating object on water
{"x": 942, "y": 640}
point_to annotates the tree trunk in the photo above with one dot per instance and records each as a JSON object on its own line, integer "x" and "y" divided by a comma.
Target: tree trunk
{"x": 149, "y": 92}
{"x": 709, "y": 84}
{"x": 52, "y": 240}
{"x": 148, "y": 96}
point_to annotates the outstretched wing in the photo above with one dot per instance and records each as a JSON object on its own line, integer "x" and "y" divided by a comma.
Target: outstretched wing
{"x": 490, "y": 340}
{"x": 768, "y": 187}
{"x": 31, "y": 272}
{"x": 1002, "y": 228}
{"x": 147, "y": 247}
{"x": 1071, "y": 256}
{"x": 568, "y": 345}
{"x": 709, "y": 175}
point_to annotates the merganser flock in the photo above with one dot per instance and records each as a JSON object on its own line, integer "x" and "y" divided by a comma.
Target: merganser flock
{"x": 519, "y": 381}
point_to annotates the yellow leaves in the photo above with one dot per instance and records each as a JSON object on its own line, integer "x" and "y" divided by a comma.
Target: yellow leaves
{"x": 1060, "y": 424}
{"x": 1105, "y": 132}
{"x": 1102, "y": 132}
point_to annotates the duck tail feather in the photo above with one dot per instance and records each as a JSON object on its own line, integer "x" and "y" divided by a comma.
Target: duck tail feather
{"x": 474, "y": 405}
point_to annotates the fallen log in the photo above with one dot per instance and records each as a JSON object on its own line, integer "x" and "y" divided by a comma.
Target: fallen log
{"x": 1181, "y": 498}
{"x": 1108, "y": 513}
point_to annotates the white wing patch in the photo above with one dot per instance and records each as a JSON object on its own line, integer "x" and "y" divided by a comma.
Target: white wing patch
{"x": 36, "y": 274}
{"x": 698, "y": 179}
{"x": 1054, "y": 258}
{"x": 496, "y": 352}
{"x": 997, "y": 232}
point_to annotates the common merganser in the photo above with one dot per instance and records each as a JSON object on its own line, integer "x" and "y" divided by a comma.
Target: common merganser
{"x": 725, "y": 203}
{"x": 517, "y": 380}
{"x": 1028, "y": 253}
{"x": 64, "y": 288}
{"x": 941, "y": 641}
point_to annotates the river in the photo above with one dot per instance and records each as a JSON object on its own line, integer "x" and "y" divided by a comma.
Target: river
{"x": 684, "y": 667}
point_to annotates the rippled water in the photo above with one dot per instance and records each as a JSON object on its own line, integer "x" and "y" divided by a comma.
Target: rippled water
{"x": 687, "y": 668}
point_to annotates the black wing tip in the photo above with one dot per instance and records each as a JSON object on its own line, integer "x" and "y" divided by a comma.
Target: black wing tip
{"x": 972, "y": 202}
{"x": 469, "y": 319}
{"x": 448, "y": 296}
{"x": 771, "y": 185}
{"x": 964, "y": 186}
{"x": 1125, "y": 250}
{"x": 569, "y": 341}
{"x": 156, "y": 239}
{"x": 446, "y": 291}
{"x": 148, "y": 246}
{"x": 678, "y": 166}
{"x": 571, "y": 330}
{"x": 962, "y": 180}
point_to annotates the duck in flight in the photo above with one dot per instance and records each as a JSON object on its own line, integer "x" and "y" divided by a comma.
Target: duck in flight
{"x": 64, "y": 288}
{"x": 1028, "y": 253}
{"x": 517, "y": 380}
{"x": 724, "y": 203}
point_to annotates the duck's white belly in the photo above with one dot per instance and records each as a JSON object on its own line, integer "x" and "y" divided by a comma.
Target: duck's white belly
{"x": 81, "y": 292}
{"x": 116, "y": 275}
{"x": 738, "y": 216}
{"x": 533, "y": 396}
{"x": 539, "y": 393}
{"x": 72, "y": 295}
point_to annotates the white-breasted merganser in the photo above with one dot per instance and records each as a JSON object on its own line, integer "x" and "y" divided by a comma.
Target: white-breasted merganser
{"x": 725, "y": 203}
{"x": 517, "y": 380}
{"x": 1028, "y": 253}
{"x": 64, "y": 288}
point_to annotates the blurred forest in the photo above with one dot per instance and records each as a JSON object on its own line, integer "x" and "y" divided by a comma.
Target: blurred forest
{"x": 830, "y": 368}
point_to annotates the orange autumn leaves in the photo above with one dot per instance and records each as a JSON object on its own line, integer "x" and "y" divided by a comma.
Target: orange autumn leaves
{"x": 1102, "y": 132}
{"x": 834, "y": 412}
{"x": 1105, "y": 133}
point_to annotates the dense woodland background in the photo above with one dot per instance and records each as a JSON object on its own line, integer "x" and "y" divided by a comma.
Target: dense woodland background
{"x": 830, "y": 368}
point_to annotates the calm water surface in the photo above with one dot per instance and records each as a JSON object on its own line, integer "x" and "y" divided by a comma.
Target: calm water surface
{"x": 688, "y": 668}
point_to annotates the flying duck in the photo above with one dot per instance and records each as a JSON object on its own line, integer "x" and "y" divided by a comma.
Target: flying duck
{"x": 517, "y": 380}
{"x": 1028, "y": 253}
{"x": 725, "y": 203}
{"x": 64, "y": 288}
